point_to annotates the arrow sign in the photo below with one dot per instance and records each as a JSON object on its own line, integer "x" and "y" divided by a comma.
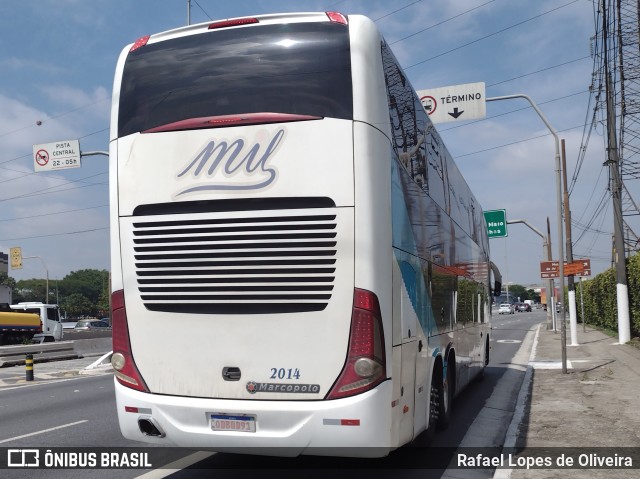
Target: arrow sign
{"x": 551, "y": 269}
{"x": 456, "y": 113}
{"x": 456, "y": 102}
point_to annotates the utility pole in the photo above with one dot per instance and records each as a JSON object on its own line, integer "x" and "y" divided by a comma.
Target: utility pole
{"x": 188, "y": 12}
{"x": 571, "y": 294}
{"x": 622, "y": 292}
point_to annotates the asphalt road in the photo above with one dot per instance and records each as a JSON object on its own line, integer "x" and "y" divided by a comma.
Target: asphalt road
{"x": 80, "y": 412}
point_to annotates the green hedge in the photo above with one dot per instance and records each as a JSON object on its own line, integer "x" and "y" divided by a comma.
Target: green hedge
{"x": 600, "y": 298}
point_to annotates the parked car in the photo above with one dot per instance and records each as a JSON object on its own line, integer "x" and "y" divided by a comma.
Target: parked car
{"x": 506, "y": 308}
{"x": 91, "y": 324}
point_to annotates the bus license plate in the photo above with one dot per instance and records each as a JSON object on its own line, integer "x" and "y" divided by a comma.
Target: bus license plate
{"x": 233, "y": 422}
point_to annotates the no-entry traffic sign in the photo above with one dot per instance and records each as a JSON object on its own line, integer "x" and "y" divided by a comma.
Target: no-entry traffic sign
{"x": 56, "y": 156}
{"x": 455, "y": 102}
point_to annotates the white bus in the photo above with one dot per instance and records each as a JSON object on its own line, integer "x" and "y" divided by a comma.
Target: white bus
{"x": 298, "y": 265}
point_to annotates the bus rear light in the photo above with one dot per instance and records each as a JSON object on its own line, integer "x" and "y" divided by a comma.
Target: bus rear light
{"x": 230, "y": 120}
{"x": 365, "y": 365}
{"x": 140, "y": 42}
{"x": 233, "y": 23}
{"x": 337, "y": 17}
{"x": 124, "y": 367}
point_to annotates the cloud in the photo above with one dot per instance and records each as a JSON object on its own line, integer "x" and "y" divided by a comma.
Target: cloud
{"x": 75, "y": 97}
{"x": 32, "y": 66}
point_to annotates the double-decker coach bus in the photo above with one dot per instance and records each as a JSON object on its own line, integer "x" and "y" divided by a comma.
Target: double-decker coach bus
{"x": 298, "y": 265}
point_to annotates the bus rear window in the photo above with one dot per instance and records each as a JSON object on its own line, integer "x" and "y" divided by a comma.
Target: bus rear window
{"x": 297, "y": 68}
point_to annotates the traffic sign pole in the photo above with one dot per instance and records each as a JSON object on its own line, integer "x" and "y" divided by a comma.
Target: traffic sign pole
{"x": 558, "y": 208}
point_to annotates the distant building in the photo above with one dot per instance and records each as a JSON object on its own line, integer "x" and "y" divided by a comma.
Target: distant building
{"x": 4, "y": 263}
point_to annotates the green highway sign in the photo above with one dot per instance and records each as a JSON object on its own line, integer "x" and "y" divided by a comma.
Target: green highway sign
{"x": 496, "y": 223}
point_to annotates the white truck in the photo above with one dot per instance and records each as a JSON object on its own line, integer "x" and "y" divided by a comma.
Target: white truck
{"x": 51, "y": 326}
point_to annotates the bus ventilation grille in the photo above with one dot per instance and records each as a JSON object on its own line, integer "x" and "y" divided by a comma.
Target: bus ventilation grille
{"x": 242, "y": 265}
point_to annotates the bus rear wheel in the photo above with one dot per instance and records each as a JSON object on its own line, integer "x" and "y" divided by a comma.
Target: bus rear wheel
{"x": 440, "y": 400}
{"x": 445, "y": 402}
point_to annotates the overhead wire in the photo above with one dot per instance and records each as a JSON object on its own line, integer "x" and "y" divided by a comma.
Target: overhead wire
{"x": 595, "y": 90}
{"x": 439, "y": 23}
{"x": 53, "y": 213}
{"x": 398, "y": 10}
{"x": 203, "y": 11}
{"x": 491, "y": 34}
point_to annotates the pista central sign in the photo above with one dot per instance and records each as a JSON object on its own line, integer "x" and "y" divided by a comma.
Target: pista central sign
{"x": 56, "y": 156}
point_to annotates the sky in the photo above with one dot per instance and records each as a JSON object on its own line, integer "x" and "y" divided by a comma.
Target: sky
{"x": 57, "y": 61}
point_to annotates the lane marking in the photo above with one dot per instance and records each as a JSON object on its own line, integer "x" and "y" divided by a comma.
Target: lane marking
{"x": 518, "y": 416}
{"x": 176, "y": 466}
{"x": 495, "y": 411}
{"x": 43, "y": 431}
{"x": 509, "y": 341}
{"x": 42, "y": 382}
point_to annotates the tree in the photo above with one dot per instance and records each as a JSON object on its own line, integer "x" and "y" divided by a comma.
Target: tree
{"x": 533, "y": 295}
{"x": 77, "y": 305}
{"x": 30, "y": 290}
{"x": 93, "y": 284}
{"x": 7, "y": 280}
{"x": 84, "y": 292}
{"x": 518, "y": 291}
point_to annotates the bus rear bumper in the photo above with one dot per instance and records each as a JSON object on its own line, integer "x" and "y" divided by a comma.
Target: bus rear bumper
{"x": 359, "y": 426}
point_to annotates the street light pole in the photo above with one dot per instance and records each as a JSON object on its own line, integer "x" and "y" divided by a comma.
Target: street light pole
{"x": 546, "y": 254}
{"x": 46, "y": 271}
{"x": 563, "y": 338}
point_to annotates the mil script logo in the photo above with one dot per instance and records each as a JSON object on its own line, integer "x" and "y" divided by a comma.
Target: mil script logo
{"x": 232, "y": 165}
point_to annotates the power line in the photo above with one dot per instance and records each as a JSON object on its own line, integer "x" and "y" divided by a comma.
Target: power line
{"x": 491, "y": 34}
{"x": 539, "y": 71}
{"x": 55, "y": 117}
{"x": 55, "y": 234}
{"x": 437, "y": 24}
{"x": 45, "y": 192}
{"x": 200, "y": 7}
{"x": 396, "y": 11}
{"x": 511, "y": 111}
{"x": 516, "y": 142}
{"x": 53, "y": 213}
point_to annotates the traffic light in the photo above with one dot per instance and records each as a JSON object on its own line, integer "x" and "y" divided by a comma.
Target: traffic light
{"x": 16, "y": 257}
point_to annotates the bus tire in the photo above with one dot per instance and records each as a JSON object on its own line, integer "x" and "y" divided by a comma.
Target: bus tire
{"x": 485, "y": 361}
{"x": 434, "y": 404}
{"x": 446, "y": 389}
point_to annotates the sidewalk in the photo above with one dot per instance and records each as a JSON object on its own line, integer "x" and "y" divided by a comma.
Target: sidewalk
{"x": 595, "y": 405}
{"x": 55, "y": 370}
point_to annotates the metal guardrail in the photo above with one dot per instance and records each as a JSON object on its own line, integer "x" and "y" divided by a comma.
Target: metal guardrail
{"x": 35, "y": 348}
{"x": 57, "y": 351}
